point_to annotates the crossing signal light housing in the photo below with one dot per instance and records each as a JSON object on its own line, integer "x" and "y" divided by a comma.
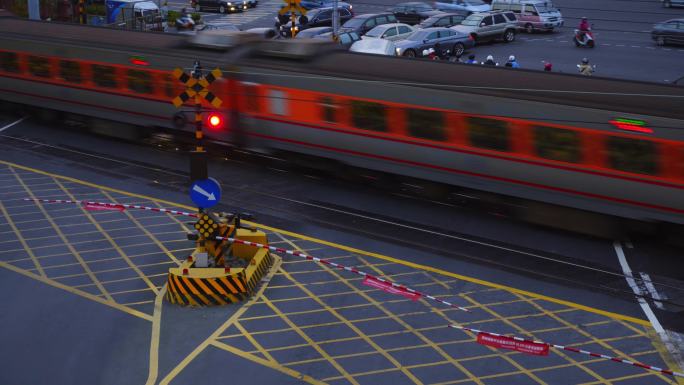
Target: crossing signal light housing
{"x": 214, "y": 121}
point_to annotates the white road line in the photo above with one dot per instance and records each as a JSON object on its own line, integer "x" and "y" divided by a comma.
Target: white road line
{"x": 12, "y": 124}
{"x": 632, "y": 283}
{"x": 648, "y": 283}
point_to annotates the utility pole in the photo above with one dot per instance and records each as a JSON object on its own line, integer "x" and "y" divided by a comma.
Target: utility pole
{"x": 336, "y": 19}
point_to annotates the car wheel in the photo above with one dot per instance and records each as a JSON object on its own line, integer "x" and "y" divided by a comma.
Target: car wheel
{"x": 529, "y": 28}
{"x": 222, "y": 9}
{"x": 661, "y": 41}
{"x": 458, "y": 49}
{"x": 509, "y": 36}
{"x": 667, "y": 4}
{"x": 410, "y": 53}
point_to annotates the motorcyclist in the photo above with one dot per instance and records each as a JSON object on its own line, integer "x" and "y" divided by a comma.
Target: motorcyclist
{"x": 583, "y": 28}
{"x": 490, "y": 61}
{"x": 430, "y": 54}
{"x": 585, "y": 68}
{"x": 471, "y": 60}
{"x": 512, "y": 62}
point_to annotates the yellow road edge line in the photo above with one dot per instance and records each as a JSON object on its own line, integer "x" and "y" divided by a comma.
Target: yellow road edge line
{"x": 273, "y": 365}
{"x": 154, "y": 338}
{"x": 563, "y": 302}
{"x": 81, "y": 293}
{"x": 217, "y": 333}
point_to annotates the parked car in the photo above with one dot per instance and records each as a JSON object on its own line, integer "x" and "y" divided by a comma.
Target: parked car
{"x": 287, "y": 17}
{"x": 364, "y": 23}
{"x": 221, "y": 6}
{"x": 374, "y": 46}
{"x": 319, "y": 17}
{"x": 425, "y": 38}
{"x": 444, "y": 20}
{"x": 673, "y": 3}
{"x": 668, "y": 32}
{"x": 533, "y": 15}
{"x": 345, "y": 39}
{"x": 470, "y": 6}
{"x": 312, "y": 32}
{"x": 392, "y": 31}
{"x": 413, "y": 13}
{"x": 489, "y": 26}
{"x": 313, "y": 4}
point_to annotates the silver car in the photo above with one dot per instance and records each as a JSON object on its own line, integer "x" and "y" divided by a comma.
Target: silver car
{"x": 490, "y": 26}
{"x": 426, "y": 38}
{"x": 470, "y": 6}
{"x": 393, "y": 31}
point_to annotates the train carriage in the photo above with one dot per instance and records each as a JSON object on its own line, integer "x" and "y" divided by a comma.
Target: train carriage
{"x": 603, "y": 145}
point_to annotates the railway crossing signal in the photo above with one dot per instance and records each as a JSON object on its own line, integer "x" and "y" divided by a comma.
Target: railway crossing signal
{"x": 294, "y": 7}
{"x": 197, "y": 87}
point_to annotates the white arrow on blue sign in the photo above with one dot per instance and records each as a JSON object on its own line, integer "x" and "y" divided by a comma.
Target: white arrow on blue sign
{"x": 205, "y": 193}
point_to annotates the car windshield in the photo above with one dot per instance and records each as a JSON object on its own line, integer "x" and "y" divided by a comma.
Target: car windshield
{"x": 474, "y": 2}
{"x": 543, "y": 8}
{"x": 353, "y": 23}
{"x": 472, "y": 21}
{"x": 375, "y": 32}
{"x": 416, "y": 36}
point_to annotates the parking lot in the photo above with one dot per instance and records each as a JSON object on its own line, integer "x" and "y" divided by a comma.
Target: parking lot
{"x": 309, "y": 323}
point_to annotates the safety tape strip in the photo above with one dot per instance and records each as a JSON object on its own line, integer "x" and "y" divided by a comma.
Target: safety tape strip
{"x": 105, "y": 204}
{"x": 576, "y": 350}
{"x": 342, "y": 267}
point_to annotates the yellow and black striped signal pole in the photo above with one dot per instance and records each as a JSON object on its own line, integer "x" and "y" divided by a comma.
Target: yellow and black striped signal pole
{"x": 82, "y": 12}
{"x": 197, "y": 88}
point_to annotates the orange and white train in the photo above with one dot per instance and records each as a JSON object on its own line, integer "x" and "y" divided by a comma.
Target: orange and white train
{"x": 600, "y": 145}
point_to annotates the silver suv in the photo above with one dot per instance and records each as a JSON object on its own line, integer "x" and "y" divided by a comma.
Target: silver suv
{"x": 491, "y": 25}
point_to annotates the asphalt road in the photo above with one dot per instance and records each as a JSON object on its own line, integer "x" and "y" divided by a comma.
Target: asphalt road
{"x": 273, "y": 336}
{"x": 622, "y": 30}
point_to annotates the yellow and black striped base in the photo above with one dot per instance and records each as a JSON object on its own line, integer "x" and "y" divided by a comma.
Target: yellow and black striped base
{"x": 212, "y": 286}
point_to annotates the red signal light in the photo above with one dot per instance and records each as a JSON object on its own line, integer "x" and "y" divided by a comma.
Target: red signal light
{"x": 214, "y": 121}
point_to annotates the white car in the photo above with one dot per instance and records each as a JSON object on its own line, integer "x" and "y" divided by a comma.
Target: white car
{"x": 374, "y": 46}
{"x": 393, "y": 32}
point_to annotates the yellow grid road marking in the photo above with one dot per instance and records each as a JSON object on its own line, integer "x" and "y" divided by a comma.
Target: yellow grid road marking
{"x": 29, "y": 251}
{"x": 113, "y": 243}
{"x": 64, "y": 239}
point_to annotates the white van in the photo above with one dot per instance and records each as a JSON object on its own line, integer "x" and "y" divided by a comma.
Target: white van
{"x": 533, "y": 15}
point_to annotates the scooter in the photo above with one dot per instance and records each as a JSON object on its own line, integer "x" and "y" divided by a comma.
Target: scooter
{"x": 586, "y": 41}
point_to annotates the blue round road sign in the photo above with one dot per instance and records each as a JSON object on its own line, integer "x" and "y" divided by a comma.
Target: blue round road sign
{"x": 205, "y": 192}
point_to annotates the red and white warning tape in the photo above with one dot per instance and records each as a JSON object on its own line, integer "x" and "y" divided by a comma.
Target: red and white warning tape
{"x": 576, "y": 350}
{"x": 105, "y": 204}
{"x": 342, "y": 267}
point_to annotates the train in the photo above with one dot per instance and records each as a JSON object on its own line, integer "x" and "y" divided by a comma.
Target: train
{"x": 595, "y": 145}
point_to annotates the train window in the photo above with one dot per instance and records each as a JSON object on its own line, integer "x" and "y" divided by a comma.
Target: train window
{"x": 9, "y": 62}
{"x": 328, "y": 108}
{"x": 39, "y": 66}
{"x": 278, "y": 102}
{"x": 104, "y": 76}
{"x": 426, "y": 124}
{"x": 140, "y": 81}
{"x": 488, "y": 133}
{"x": 557, "y": 144}
{"x": 632, "y": 155}
{"x": 369, "y": 115}
{"x": 251, "y": 97}
{"x": 70, "y": 71}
